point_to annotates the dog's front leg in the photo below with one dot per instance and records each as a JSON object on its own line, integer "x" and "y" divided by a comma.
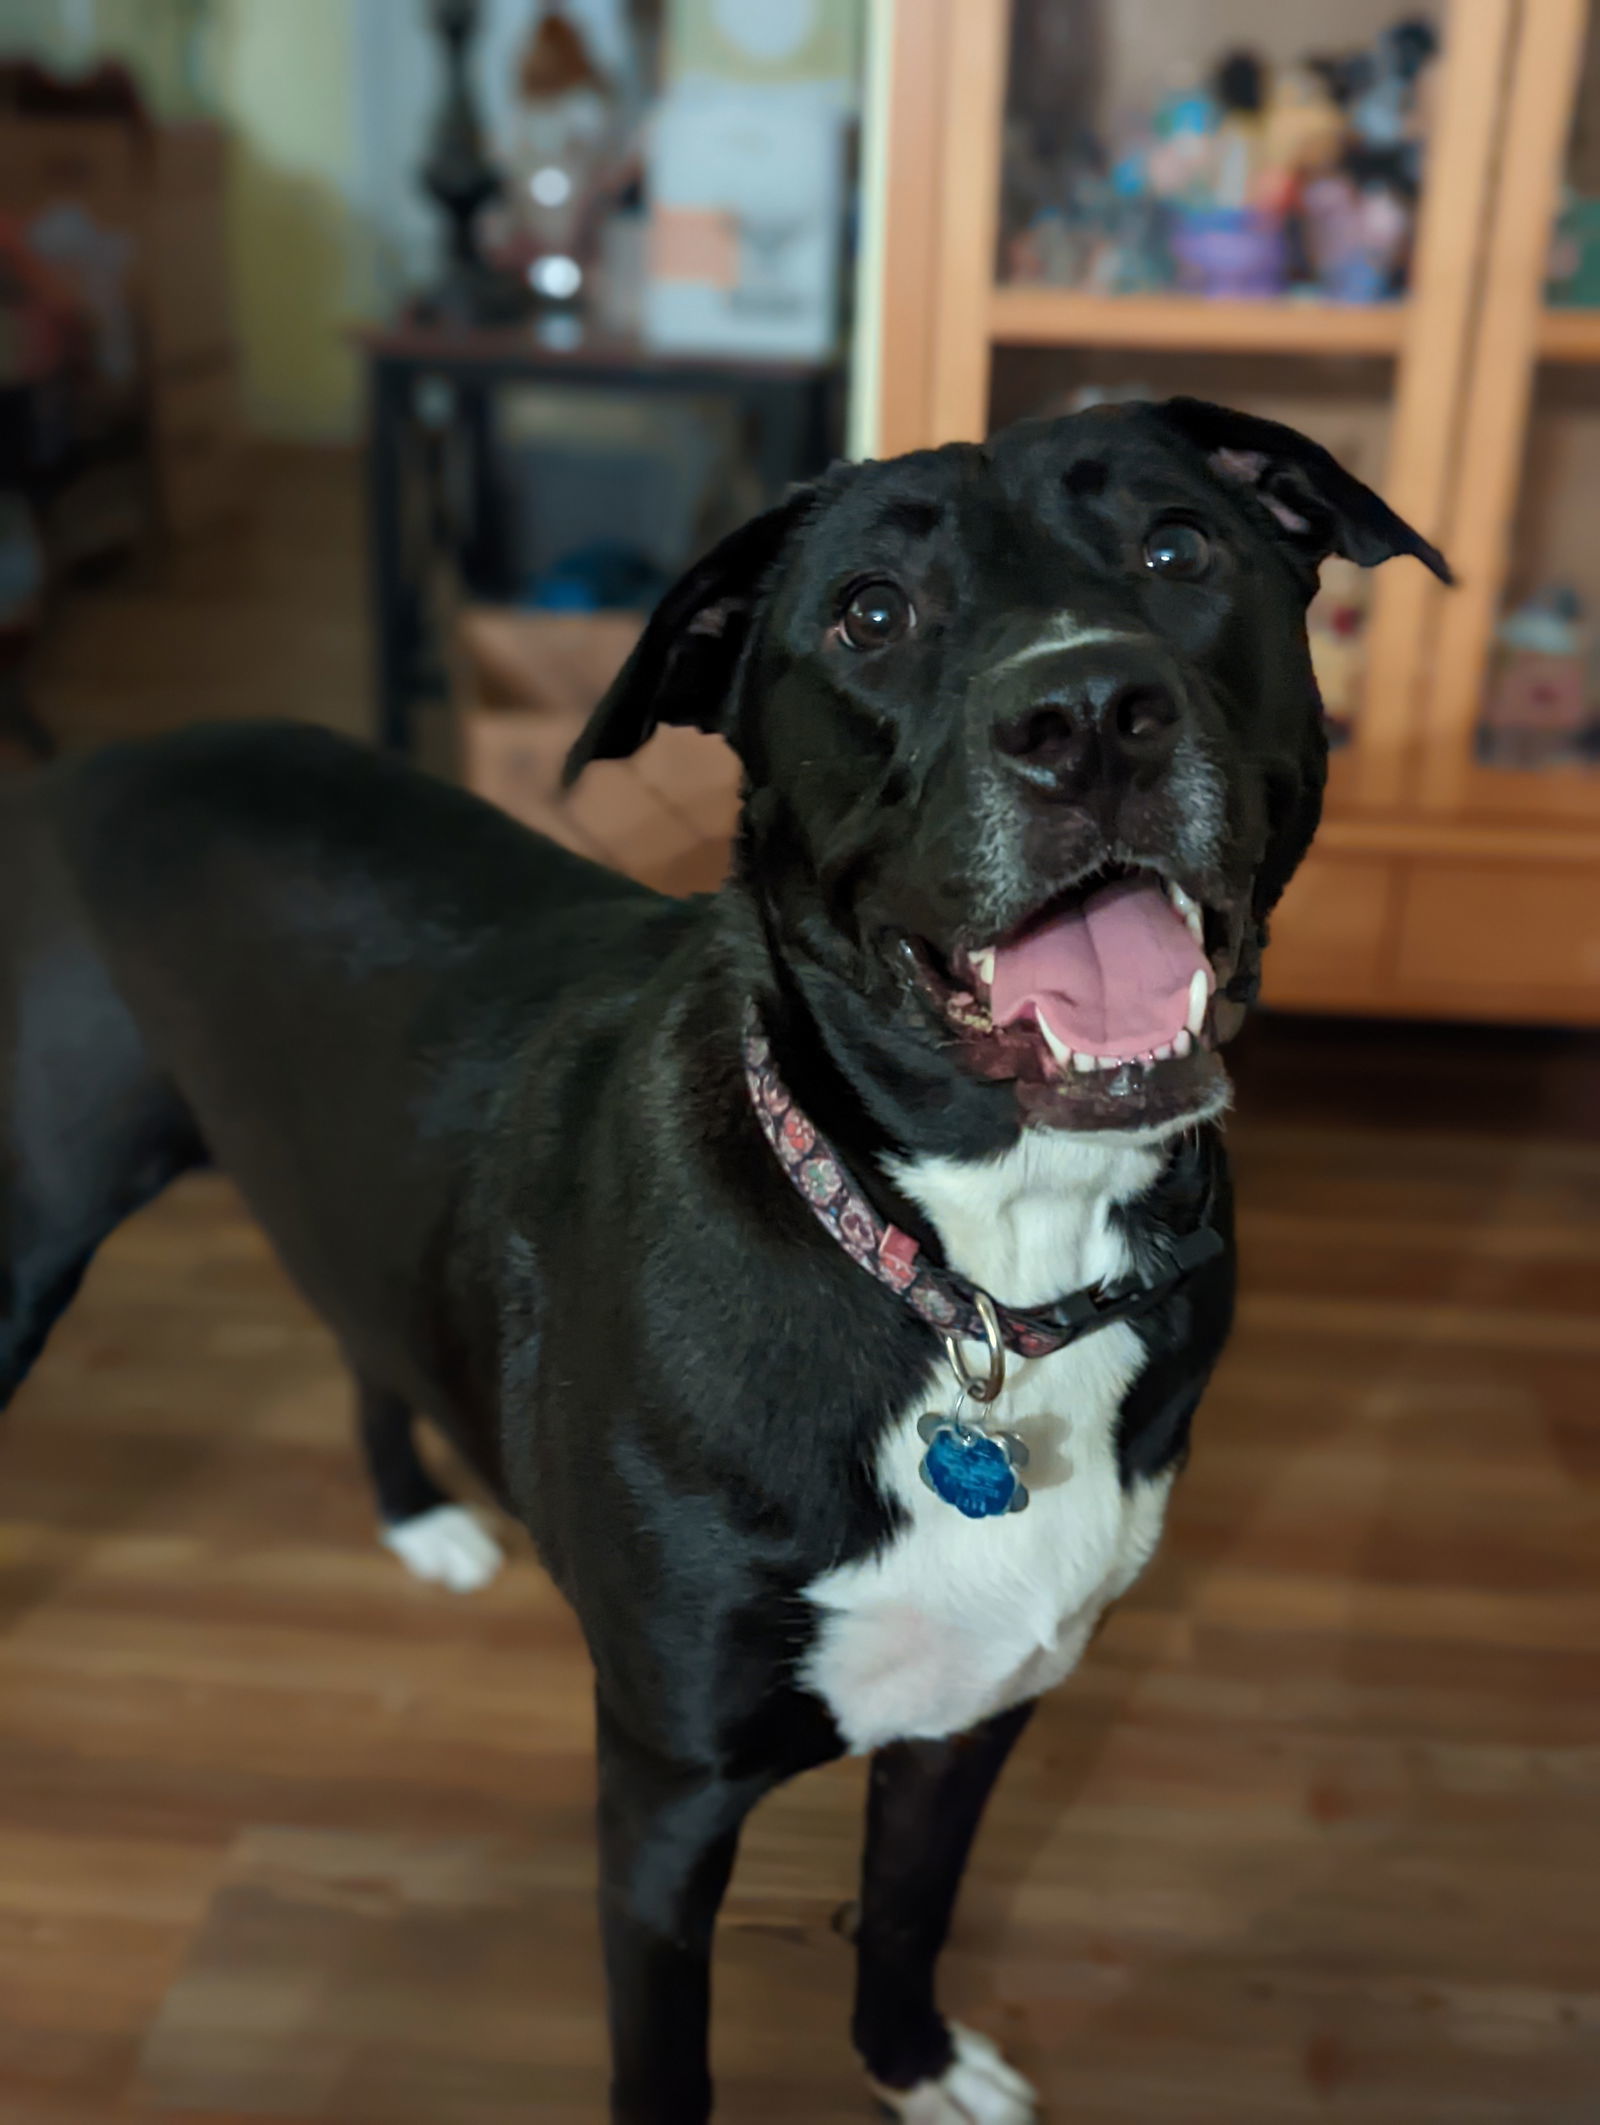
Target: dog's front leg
{"x": 668, "y": 1835}
{"x": 924, "y": 1804}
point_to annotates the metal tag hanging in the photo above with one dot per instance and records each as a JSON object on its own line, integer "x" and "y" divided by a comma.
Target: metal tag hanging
{"x": 969, "y": 1464}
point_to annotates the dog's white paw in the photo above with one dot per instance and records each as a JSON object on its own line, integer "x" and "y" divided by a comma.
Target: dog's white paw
{"x": 446, "y": 1545}
{"x": 978, "y": 2089}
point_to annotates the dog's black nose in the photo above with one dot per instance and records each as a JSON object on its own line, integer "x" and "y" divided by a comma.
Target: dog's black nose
{"x": 1105, "y": 721}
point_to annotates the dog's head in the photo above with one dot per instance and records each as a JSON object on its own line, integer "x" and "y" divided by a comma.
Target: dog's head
{"x": 1031, "y": 738}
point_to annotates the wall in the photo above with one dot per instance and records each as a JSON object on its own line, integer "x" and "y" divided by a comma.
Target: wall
{"x": 329, "y": 103}
{"x": 145, "y": 34}
{"x": 332, "y": 101}
{"x": 301, "y": 254}
{"x": 280, "y": 74}
{"x": 866, "y": 351}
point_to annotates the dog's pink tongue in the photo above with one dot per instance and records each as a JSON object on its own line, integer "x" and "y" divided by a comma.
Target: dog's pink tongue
{"x": 1112, "y": 978}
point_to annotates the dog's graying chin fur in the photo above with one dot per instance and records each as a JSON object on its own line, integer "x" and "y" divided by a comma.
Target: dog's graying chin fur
{"x": 887, "y": 836}
{"x": 1031, "y": 747}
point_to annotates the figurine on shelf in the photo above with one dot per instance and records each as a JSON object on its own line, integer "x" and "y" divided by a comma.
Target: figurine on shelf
{"x": 1359, "y": 216}
{"x": 1126, "y": 240}
{"x": 1229, "y": 241}
{"x": 1258, "y": 180}
{"x": 1224, "y": 251}
{"x": 1303, "y": 135}
{"x": 1386, "y": 93}
{"x": 1178, "y": 160}
{"x": 1106, "y": 234}
{"x": 1537, "y": 711}
{"x": 1391, "y": 100}
{"x": 1240, "y": 88}
{"x": 1357, "y": 237}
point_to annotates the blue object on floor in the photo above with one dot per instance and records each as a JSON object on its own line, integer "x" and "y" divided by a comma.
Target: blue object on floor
{"x": 598, "y": 578}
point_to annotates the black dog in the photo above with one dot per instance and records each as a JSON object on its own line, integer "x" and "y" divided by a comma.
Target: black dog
{"x": 659, "y": 1207}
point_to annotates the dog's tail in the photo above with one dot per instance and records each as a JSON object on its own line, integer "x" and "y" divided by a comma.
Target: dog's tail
{"x": 89, "y": 1128}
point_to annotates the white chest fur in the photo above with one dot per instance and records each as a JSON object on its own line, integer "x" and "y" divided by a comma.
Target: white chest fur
{"x": 957, "y": 1619}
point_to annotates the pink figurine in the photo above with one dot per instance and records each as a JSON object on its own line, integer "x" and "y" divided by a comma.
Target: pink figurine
{"x": 1537, "y": 708}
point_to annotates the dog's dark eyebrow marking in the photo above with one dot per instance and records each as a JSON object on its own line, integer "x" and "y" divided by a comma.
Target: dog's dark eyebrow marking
{"x": 919, "y": 518}
{"x": 1085, "y": 475}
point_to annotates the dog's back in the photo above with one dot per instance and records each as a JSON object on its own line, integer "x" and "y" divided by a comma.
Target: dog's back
{"x": 269, "y": 947}
{"x": 89, "y": 1130}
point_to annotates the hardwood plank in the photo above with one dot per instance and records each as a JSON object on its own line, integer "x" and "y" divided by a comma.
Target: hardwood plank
{"x": 1301, "y": 1832}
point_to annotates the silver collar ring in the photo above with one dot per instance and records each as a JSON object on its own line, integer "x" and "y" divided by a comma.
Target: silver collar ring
{"x": 981, "y": 1387}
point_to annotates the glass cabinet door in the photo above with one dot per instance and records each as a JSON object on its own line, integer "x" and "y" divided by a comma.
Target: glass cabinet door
{"x": 1243, "y": 200}
{"x": 1513, "y": 723}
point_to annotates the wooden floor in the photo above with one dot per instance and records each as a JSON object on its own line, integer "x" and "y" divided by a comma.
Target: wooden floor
{"x": 1314, "y": 1836}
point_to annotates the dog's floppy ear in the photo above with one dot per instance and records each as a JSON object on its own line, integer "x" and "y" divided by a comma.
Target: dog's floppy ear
{"x": 683, "y": 666}
{"x": 1319, "y": 508}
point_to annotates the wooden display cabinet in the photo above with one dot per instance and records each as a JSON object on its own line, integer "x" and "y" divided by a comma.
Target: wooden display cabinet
{"x": 1438, "y": 886}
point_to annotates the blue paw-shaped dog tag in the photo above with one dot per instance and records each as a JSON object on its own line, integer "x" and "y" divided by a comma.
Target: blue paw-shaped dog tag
{"x": 971, "y": 1470}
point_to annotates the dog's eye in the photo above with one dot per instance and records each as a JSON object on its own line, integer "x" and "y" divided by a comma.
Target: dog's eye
{"x": 876, "y": 615}
{"x": 1178, "y": 550}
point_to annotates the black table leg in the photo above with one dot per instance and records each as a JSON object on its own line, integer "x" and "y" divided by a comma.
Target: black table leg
{"x": 433, "y": 494}
{"x": 780, "y": 440}
{"x": 394, "y": 599}
{"x": 795, "y": 424}
{"x": 824, "y": 419}
{"x": 18, "y": 723}
{"x": 485, "y": 558}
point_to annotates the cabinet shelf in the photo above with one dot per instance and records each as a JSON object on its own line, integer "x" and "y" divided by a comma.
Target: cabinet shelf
{"x": 1570, "y": 335}
{"x": 1029, "y": 316}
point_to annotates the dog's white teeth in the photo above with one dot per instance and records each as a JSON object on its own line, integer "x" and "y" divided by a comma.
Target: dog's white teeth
{"x": 1053, "y": 1041}
{"x": 1189, "y": 908}
{"x": 1199, "y": 997}
{"x": 1163, "y": 1054}
{"x": 1086, "y": 1065}
{"x": 1184, "y": 1042}
{"x": 983, "y": 967}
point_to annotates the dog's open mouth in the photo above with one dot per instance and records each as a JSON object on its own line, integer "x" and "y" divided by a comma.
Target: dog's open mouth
{"x": 1101, "y": 1005}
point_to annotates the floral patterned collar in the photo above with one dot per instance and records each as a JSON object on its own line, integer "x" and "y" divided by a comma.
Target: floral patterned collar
{"x": 947, "y": 1301}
